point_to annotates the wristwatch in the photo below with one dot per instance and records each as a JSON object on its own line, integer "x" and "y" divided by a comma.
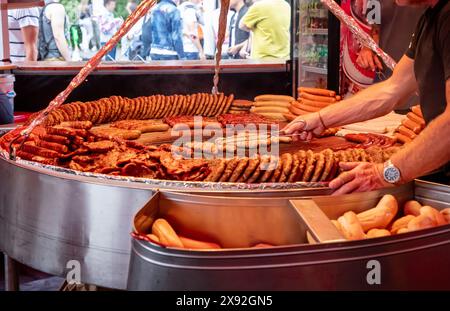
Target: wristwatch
{"x": 391, "y": 173}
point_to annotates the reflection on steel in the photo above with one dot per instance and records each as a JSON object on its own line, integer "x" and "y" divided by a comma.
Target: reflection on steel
{"x": 48, "y": 220}
{"x": 433, "y": 194}
{"x": 232, "y": 222}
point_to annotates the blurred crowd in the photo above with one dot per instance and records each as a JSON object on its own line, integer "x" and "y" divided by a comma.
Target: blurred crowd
{"x": 172, "y": 30}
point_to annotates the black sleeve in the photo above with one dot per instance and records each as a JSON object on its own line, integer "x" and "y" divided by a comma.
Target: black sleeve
{"x": 443, "y": 44}
{"x": 411, "y": 51}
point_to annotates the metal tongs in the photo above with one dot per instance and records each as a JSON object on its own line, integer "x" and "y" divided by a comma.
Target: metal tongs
{"x": 381, "y": 75}
{"x": 12, "y": 149}
{"x": 281, "y": 133}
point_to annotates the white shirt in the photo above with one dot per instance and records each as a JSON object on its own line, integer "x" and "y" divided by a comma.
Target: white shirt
{"x": 189, "y": 17}
{"x": 18, "y": 19}
{"x": 134, "y": 32}
{"x": 211, "y": 31}
{"x": 108, "y": 25}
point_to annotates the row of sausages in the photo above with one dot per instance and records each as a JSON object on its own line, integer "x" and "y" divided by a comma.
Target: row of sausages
{"x": 163, "y": 234}
{"x": 411, "y": 126}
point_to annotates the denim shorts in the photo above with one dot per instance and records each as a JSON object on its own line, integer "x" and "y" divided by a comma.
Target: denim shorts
{"x": 163, "y": 57}
{"x": 191, "y": 55}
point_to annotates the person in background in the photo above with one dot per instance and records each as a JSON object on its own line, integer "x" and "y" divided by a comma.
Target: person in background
{"x": 244, "y": 53}
{"x": 269, "y": 21}
{"x": 238, "y": 37}
{"x": 108, "y": 26}
{"x": 131, "y": 42}
{"x": 53, "y": 28}
{"x": 6, "y": 102}
{"x": 131, "y": 6}
{"x": 146, "y": 36}
{"x": 167, "y": 32}
{"x": 211, "y": 31}
{"x": 85, "y": 22}
{"x": 190, "y": 14}
{"x": 391, "y": 40}
{"x": 23, "y": 27}
{"x": 95, "y": 10}
{"x": 89, "y": 27}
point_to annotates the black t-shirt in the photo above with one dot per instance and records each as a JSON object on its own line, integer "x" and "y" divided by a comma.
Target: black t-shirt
{"x": 430, "y": 49}
{"x": 241, "y": 35}
{"x": 397, "y": 25}
{"x": 238, "y": 35}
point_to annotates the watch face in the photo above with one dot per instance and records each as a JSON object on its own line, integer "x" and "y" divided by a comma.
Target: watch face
{"x": 391, "y": 175}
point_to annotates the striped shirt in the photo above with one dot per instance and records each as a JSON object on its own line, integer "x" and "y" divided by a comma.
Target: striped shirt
{"x": 18, "y": 19}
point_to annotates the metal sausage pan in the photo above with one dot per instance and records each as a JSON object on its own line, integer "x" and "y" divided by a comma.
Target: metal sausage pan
{"x": 407, "y": 261}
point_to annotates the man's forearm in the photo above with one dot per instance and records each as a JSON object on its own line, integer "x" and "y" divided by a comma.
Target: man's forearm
{"x": 30, "y": 36}
{"x": 63, "y": 48}
{"x": 373, "y": 102}
{"x": 198, "y": 45}
{"x": 30, "y": 52}
{"x": 242, "y": 44}
{"x": 430, "y": 150}
{"x": 179, "y": 47}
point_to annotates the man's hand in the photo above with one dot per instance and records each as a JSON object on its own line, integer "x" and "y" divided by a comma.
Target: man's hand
{"x": 303, "y": 127}
{"x": 57, "y": 18}
{"x": 367, "y": 59}
{"x": 244, "y": 54}
{"x": 359, "y": 177}
{"x": 234, "y": 50}
{"x": 243, "y": 26}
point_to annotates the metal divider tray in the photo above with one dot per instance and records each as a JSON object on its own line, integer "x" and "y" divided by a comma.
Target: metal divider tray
{"x": 407, "y": 261}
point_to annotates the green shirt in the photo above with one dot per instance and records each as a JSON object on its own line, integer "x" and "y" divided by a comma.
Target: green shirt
{"x": 269, "y": 21}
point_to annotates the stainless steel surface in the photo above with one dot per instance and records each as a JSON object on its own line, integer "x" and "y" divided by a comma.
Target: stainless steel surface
{"x": 319, "y": 227}
{"x": 417, "y": 260}
{"x": 5, "y": 128}
{"x": 433, "y": 194}
{"x": 11, "y": 274}
{"x": 230, "y": 221}
{"x": 407, "y": 262}
{"x": 48, "y": 218}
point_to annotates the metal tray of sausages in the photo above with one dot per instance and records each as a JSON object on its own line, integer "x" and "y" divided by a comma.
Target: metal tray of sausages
{"x": 416, "y": 260}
